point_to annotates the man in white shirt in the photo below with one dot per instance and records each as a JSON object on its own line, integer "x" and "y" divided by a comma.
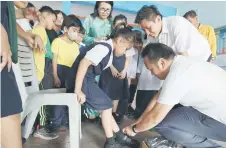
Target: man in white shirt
{"x": 175, "y": 31}
{"x": 203, "y": 115}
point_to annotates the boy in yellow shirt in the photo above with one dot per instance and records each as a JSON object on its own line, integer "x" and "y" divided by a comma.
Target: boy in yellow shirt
{"x": 65, "y": 51}
{"x": 47, "y": 20}
{"x": 206, "y": 30}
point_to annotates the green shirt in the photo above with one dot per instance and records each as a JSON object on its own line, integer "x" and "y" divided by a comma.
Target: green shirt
{"x": 96, "y": 27}
{"x": 49, "y": 53}
{"x": 12, "y": 32}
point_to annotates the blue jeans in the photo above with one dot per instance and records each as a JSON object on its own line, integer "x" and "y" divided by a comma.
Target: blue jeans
{"x": 191, "y": 128}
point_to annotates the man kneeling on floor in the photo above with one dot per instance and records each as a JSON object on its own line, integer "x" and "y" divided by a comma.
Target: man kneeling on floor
{"x": 203, "y": 115}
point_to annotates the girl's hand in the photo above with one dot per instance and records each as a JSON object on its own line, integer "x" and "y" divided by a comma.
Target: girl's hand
{"x": 122, "y": 75}
{"x": 114, "y": 72}
{"x": 81, "y": 97}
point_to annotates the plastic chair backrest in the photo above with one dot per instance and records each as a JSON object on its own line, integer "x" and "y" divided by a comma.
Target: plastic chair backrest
{"x": 27, "y": 66}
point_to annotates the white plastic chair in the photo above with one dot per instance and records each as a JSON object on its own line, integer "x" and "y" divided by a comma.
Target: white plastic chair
{"x": 33, "y": 98}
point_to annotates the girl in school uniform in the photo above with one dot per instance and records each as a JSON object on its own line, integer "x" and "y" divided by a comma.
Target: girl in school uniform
{"x": 113, "y": 81}
{"x": 96, "y": 60}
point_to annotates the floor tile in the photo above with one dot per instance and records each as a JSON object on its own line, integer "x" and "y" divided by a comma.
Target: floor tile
{"x": 60, "y": 145}
{"x": 36, "y": 146}
{"x": 34, "y": 141}
{"x": 63, "y": 137}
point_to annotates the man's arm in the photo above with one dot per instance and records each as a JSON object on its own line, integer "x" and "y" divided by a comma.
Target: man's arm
{"x": 149, "y": 107}
{"x": 153, "y": 117}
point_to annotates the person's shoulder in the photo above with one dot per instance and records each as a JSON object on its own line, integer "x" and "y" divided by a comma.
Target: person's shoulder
{"x": 208, "y": 27}
{"x": 39, "y": 30}
{"x": 176, "y": 20}
{"x": 75, "y": 44}
{"x": 89, "y": 17}
{"x": 38, "y": 27}
{"x": 57, "y": 41}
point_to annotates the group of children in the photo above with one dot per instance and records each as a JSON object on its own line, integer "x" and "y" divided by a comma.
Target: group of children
{"x": 67, "y": 63}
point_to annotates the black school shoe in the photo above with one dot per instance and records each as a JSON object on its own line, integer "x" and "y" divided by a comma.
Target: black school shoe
{"x": 128, "y": 141}
{"x": 115, "y": 144}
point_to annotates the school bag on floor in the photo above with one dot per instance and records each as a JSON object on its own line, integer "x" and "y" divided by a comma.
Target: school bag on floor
{"x": 86, "y": 112}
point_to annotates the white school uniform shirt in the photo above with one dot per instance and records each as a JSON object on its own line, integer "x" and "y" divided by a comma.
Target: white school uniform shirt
{"x": 97, "y": 53}
{"x": 130, "y": 52}
{"x": 179, "y": 34}
{"x": 197, "y": 84}
{"x": 132, "y": 69}
{"x": 147, "y": 81}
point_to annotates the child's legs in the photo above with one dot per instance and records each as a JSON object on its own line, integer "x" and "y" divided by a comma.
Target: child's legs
{"x": 122, "y": 107}
{"x": 108, "y": 123}
{"x": 43, "y": 116}
{"x": 57, "y": 116}
{"x": 10, "y": 130}
{"x": 62, "y": 74}
{"x": 115, "y": 106}
{"x": 65, "y": 119}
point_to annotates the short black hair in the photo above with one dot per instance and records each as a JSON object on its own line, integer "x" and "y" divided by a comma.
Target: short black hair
{"x": 155, "y": 51}
{"x": 125, "y": 33}
{"x": 75, "y": 18}
{"x": 97, "y": 5}
{"x": 119, "y": 17}
{"x": 78, "y": 21}
{"x": 47, "y": 9}
{"x": 190, "y": 13}
{"x": 58, "y": 12}
{"x": 30, "y": 5}
{"x": 82, "y": 31}
{"x": 147, "y": 12}
{"x": 138, "y": 36}
{"x": 31, "y": 22}
{"x": 70, "y": 22}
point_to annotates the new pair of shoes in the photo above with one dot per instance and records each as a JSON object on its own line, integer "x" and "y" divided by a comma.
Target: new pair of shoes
{"x": 124, "y": 142}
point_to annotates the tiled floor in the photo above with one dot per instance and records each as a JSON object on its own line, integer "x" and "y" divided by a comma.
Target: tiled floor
{"x": 93, "y": 137}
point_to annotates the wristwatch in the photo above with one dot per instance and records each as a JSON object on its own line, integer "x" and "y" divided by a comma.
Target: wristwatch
{"x": 134, "y": 128}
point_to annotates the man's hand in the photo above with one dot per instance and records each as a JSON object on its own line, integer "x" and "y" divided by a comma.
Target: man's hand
{"x": 129, "y": 131}
{"x": 81, "y": 97}
{"x": 6, "y": 59}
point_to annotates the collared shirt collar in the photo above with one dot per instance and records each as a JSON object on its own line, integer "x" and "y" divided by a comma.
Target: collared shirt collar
{"x": 164, "y": 26}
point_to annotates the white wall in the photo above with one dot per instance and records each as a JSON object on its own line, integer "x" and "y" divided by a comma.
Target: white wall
{"x": 55, "y": 5}
{"x": 209, "y": 12}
